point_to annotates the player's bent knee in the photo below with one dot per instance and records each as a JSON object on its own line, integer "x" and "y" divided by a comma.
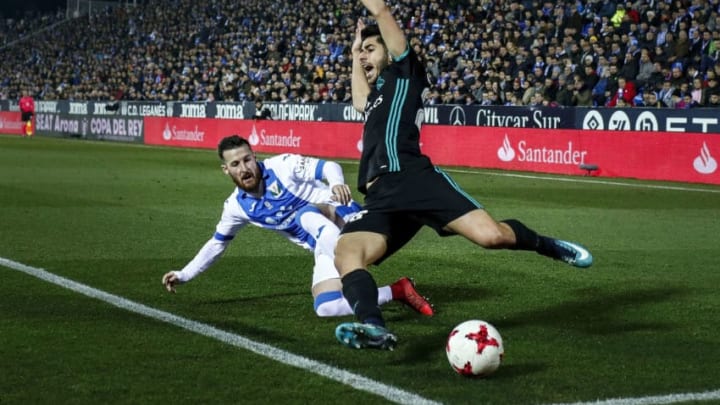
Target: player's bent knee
{"x": 490, "y": 237}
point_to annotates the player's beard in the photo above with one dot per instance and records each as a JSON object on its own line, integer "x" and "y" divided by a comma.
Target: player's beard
{"x": 250, "y": 184}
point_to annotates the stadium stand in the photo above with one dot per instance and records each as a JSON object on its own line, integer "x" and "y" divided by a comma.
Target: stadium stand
{"x": 489, "y": 52}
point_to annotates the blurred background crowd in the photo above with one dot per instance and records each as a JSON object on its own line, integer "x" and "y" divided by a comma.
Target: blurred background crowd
{"x": 660, "y": 53}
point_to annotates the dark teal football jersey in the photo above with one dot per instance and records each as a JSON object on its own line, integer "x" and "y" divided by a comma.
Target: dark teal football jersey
{"x": 393, "y": 117}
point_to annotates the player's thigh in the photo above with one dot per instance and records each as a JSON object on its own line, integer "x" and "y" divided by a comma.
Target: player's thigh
{"x": 357, "y": 250}
{"x": 479, "y": 227}
{"x": 313, "y": 218}
{"x": 377, "y": 236}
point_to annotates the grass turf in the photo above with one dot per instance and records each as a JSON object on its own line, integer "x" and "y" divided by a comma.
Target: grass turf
{"x": 641, "y": 321}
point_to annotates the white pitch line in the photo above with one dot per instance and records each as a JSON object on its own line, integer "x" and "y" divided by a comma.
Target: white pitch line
{"x": 655, "y": 400}
{"x": 589, "y": 181}
{"x": 345, "y": 377}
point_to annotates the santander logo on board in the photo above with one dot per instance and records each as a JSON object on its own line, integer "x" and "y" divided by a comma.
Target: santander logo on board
{"x": 525, "y": 152}
{"x": 506, "y": 153}
{"x": 705, "y": 163}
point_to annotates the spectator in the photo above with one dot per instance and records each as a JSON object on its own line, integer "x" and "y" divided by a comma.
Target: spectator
{"x": 626, "y": 91}
{"x": 698, "y": 93}
{"x": 261, "y": 112}
{"x": 650, "y": 99}
{"x": 676, "y": 99}
{"x": 713, "y": 87}
{"x": 645, "y": 70}
{"x": 563, "y": 94}
{"x": 600, "y": 92}
{"x": 714, "y": 100}
{"x": 677, "y": 76}
{"x": 228, "y": 51}
{"x": 685, "y": 102}
{"x": 582, "y": 95}
{"x": 629, "y": 68}
{"x": 681, "y": 50}
{"x": 666, "y": 92}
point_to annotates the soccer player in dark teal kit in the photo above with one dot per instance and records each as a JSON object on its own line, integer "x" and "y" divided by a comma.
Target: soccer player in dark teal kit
{"x": 403, "y": 190}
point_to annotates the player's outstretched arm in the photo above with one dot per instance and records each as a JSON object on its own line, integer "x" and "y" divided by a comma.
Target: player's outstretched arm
{"x": 208, "y": 254}
{"x": 392, "y": 34}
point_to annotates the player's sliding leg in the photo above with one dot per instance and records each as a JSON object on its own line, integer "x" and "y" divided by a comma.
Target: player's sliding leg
{"x": 478, "y": 226}
{"x": 327, "y": 287}
{"x": 329, "y": 300}
{"x": 568, "y": 252}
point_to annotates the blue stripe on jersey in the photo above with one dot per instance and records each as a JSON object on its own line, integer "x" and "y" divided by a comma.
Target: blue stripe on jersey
{"x": 456, "y": 187}
{"x": 223, "y": 238}
{"x": 319, "y": 169}
{"x": 327, "y": 296}
{"x": 393, "y": 124}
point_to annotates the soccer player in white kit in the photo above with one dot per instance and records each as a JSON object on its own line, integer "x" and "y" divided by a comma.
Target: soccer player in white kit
{"x": 302, "y": 198}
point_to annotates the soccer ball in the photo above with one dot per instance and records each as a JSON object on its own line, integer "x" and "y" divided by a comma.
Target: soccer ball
{"x": 474, "y": 348}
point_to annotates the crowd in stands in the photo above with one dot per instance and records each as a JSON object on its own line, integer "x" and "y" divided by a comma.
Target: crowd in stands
{"x": 660, "y": 53}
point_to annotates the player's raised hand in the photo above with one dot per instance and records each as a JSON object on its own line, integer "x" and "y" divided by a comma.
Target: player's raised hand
{"x": 341, "y": 193}
{"x": 357, "y": 43}
{"x": 170, "y": 280}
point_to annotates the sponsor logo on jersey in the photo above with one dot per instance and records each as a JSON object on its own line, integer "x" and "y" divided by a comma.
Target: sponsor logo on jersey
{"x": 274, "y": 189}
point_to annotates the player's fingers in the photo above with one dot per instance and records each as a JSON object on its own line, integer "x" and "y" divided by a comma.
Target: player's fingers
{"x": 342, "y": 198}
{"x": 169, "y": 280}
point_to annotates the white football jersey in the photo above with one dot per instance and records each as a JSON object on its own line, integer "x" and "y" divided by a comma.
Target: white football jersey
{"x": 291, "y": 182}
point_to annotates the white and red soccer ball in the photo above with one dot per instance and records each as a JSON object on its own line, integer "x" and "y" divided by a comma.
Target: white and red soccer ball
{"x": 474, "y": 349}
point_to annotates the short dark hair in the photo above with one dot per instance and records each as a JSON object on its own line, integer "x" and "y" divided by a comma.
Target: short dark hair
{"x": 231, "y": 142}
{"x": 372, "y": 31}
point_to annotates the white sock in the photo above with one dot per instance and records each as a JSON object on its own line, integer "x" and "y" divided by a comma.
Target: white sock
{"x": 384, "y": 295}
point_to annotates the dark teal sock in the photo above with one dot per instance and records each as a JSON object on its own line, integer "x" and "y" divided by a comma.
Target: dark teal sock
{"x": 360, "y": 290}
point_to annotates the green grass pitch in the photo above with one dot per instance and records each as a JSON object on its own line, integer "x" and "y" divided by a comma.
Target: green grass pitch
{"x": 643, "y": 321}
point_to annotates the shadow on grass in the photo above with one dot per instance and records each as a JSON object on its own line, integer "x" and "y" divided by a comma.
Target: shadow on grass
{"x": 600, "y": 313}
